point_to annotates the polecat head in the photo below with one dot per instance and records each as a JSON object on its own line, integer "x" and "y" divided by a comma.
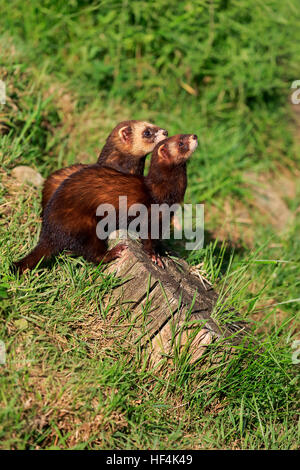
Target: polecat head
{"x": 137, "y": 138}
{"x": 176, "y": 149}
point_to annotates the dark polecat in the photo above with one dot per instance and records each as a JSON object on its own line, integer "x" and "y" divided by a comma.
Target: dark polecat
{"x": 125, "y": 150}
{"x": 70, "y": 217}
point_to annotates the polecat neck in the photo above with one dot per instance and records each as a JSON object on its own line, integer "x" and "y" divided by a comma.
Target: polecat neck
{"x": 120, "y": 161}
{"x": 167, "y": 184}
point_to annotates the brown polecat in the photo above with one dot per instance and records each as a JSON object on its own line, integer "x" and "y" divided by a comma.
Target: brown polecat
{"x": 70, "y": 217}
{"x": 125, "y": 150}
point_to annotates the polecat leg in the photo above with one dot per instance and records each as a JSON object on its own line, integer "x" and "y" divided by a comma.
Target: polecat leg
{"x": 42, "y": 250}
{"x": 95, "y": 250}
{"x": 115, "y": 252}
{"x": 107, "y": 255}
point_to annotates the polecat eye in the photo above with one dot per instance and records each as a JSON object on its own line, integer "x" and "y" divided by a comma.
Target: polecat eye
{"x": 147, "y": 133}
{"x": 181, "y": 144}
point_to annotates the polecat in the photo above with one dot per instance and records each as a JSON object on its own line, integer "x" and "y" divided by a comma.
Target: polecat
{"x": 125, "y": 150}
{"x": 70, "y": 217}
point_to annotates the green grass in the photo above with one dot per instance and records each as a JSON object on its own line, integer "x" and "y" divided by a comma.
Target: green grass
{"x": 220, "y": 69}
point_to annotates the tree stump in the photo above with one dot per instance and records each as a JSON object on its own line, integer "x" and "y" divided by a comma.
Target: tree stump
{"x": 170, "y": 309}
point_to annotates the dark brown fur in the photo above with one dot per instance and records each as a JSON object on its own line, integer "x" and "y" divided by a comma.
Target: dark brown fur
{"x": 115, "y": 154}
{"x": 70, "y": 217}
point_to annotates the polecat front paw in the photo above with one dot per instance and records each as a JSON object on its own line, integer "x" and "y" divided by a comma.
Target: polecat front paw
{"x": 118, "y": 249}
{"x": 156, "y": 259}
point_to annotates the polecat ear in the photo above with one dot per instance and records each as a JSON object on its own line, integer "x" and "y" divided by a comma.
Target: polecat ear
{"x": 162, "y": 151}
{"x": 124, "y": 133}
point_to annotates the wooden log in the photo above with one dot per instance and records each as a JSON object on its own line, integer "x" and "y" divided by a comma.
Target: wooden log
{"x": 170, "y": 309}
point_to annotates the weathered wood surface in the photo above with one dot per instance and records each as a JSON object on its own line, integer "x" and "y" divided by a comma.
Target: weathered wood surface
{"x": 170, "y": 308}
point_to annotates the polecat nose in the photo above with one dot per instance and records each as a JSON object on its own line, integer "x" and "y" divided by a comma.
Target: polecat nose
{"x": 165, "y": 133}
{"x": 195, "y": 137}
